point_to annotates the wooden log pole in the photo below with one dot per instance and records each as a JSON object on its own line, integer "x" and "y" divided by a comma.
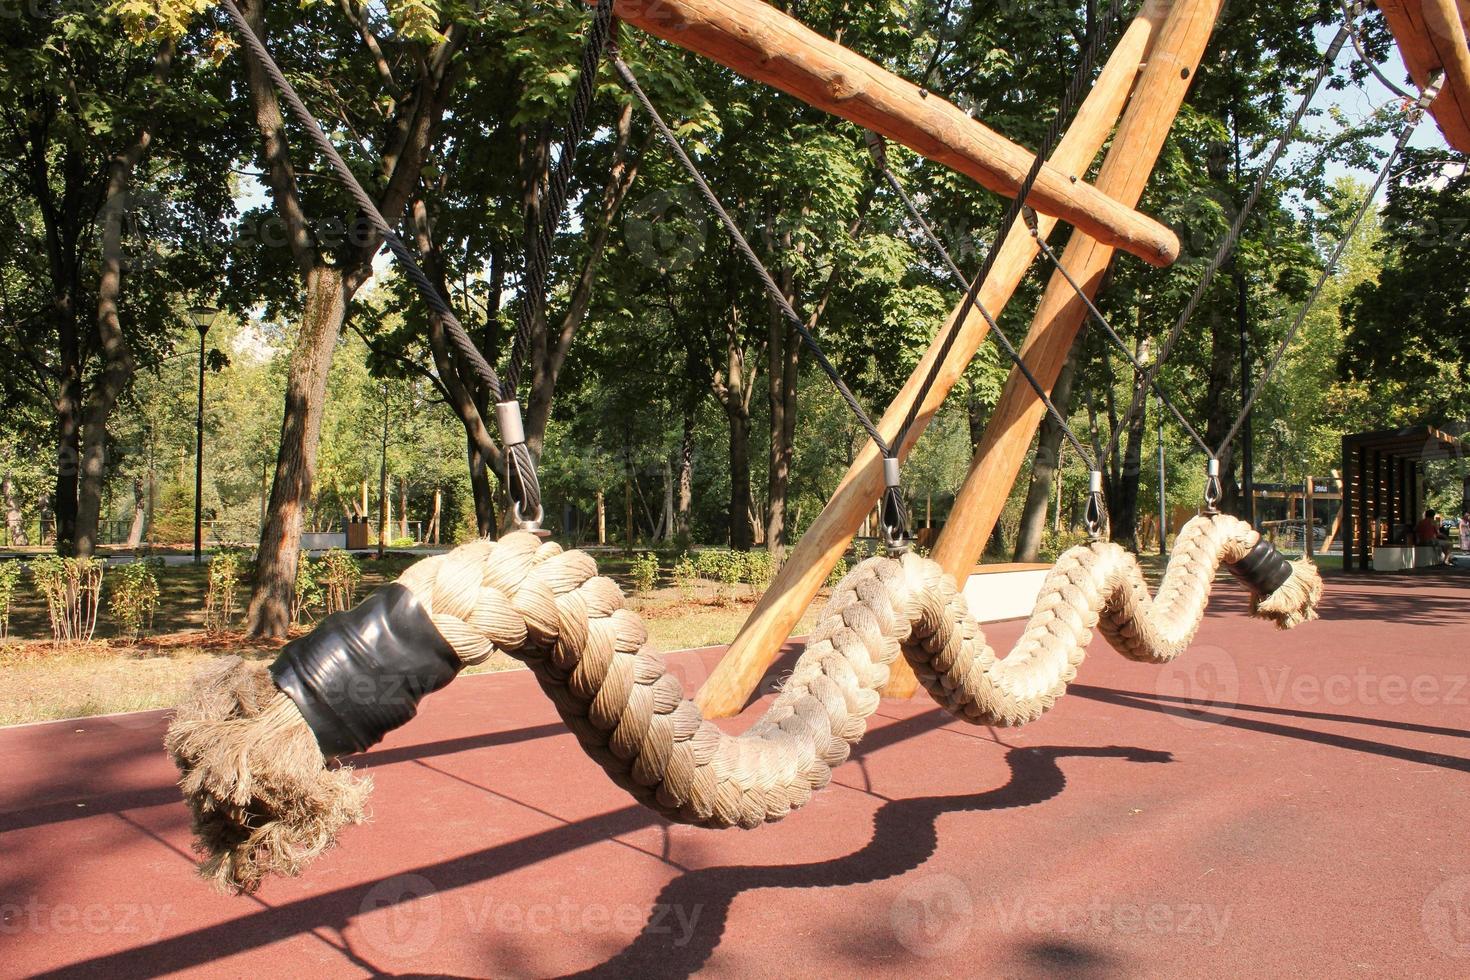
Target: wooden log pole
{"x": 765, "y": 45}
{"x": 1125, "y": 172}
{"x": 817, "y": 552}
{"x": 1431, "y": 34}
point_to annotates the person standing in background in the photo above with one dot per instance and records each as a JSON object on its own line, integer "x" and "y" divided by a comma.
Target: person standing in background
{"x": 1465, "y": 529}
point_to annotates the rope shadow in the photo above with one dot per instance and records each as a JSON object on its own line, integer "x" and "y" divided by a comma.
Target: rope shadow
{"x": 65, "y": 810}
{"x": 1199, "y": 705}
{"x": 1145, "y": 702}
{"x": 905, "y": 836}
{"x": 339, "y": 907}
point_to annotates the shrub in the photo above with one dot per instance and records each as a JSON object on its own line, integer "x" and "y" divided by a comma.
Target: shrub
{"x": 9, "y": 578}
{"x": 223, "y": 585}
{"x": 759, "y": 568}
{"x": 403, "y": 542}
{"x": 732, "y": 570}
{"x": 339, "y": 575}
{"x": 838, "y": 573}
{"x": 72, "y": 588}
{"x": 308, "y": 592}
{"x": 686, "y": 577}
{"x": 644, "y": 571}
{"x": 135, "y": 597}
{"x": 708, "y": 563}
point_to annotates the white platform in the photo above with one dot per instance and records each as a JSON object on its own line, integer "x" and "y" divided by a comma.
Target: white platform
{"x": 1398, "y": 558}
{"x": 997, "y": 592}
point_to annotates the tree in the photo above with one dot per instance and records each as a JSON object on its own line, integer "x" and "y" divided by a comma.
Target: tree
{"x": 390, "y": 84}
{"x": 86, "y": 107}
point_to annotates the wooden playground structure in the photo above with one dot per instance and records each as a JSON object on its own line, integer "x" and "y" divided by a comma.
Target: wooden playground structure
{"x": 1130, "y": 109}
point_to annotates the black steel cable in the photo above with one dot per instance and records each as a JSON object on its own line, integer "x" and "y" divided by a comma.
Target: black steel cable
{"x": 521, "y": 483}
{"x": 1232, "y": 238}
{"x": 554, "y": 201}
{"x": 1118, "y": 342}
{"x": 1415, "y": 115}
{"x": 1013, "y": 211}
{"x": 878, "y": 149}
{"x": 772, "y": 289}
{"x": 1350, "y": 10}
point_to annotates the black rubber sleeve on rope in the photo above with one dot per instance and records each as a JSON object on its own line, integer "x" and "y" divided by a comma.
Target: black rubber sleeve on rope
{"x": 1263, "y": 570}
{"x": 361, "y": 673}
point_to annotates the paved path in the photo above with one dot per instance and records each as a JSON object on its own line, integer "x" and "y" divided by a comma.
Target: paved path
{"x": 1275, "y": 804}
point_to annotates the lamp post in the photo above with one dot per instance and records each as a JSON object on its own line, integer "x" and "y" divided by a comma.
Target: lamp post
{"x": 1163, "y": 503}
{"x": 202, "y": 318}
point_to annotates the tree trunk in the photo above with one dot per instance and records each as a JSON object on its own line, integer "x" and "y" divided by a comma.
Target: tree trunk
{"x": 668, "y": 518}
{"x": 1123, "y": 504}
{"x": 140, "y": 514}
{"x": 68, "y": 448}
{"x": 117, "y": 360}
{"x": 15, "y": 529}
{"x": 483, "y": 492}
{"x": 742, "y": 533}
{"x": 384, "y": 530}
{"x": 975, "y": 414}
{"x": 306, "y": 382}
{"x": 683, "y": 516}
{"x": 781, "y": 383}
{"x": 403, "y": 506}
{"x": 1220, "y": 400}
{"x": 1048, "y": 459}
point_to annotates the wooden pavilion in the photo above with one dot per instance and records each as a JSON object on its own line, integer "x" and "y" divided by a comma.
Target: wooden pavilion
{"x": 1383, "y": 486}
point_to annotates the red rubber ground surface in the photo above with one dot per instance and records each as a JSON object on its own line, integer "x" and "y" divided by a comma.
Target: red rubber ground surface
{"x": 1274, "y": 804}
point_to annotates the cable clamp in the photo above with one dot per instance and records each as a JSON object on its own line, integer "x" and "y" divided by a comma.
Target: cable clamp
{"x": 521, "y": 482}
{"x": 894, "y": 518}
{"x": 877, "y": 148}
{"x": 1430, "y": 93}
{"x": 1213, "y": 488}
{"x": 1028, "y": 215}
{"x": 1095, "y": 517}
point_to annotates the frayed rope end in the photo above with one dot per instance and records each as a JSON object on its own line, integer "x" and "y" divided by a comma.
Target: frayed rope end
{"x": 262, "y": 796}
{"x": 1296, "y": 601}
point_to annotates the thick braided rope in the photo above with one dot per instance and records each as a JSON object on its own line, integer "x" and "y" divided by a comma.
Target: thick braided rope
{"x": 591, "y": 656}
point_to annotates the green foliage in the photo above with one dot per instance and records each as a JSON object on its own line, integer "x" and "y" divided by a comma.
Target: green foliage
{"x": 686, "y": 577}
{"x": 838, "y": 573}
{"x": 72, "y": 588}
{"x": 723, "y": 566}
{"x": 135, "y": 596}
{"x": 1408, "y": 337}
{"x": 760, "y": 567}
{"x": 225, "y": 569}
{"x": 643, "y": 570}
{"x": 10, "y": 572}
{"x": 307, "y": 594}
{"x": 339, "y": 574}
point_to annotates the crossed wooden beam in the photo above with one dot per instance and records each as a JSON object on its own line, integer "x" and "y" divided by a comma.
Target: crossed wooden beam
{"x": 1135, "y": 100}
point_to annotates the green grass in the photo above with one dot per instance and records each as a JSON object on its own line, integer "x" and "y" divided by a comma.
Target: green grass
{"x": 41, "y": 682}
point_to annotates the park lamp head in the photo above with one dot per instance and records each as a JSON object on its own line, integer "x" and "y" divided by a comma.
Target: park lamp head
{"x": 202, "y": 316}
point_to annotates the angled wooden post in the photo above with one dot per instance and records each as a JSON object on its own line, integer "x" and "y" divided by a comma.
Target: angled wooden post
{"x": 1431, "y": 36}
{"x": 763, "y": 44}
{"x": 1124, "y": 174}
{"x": 729, "y": 686}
